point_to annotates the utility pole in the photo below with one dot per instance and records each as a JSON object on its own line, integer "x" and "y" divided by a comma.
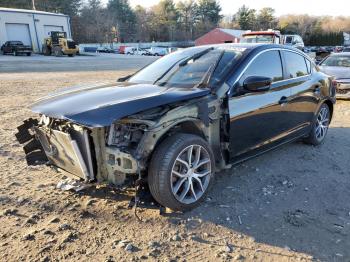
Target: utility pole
{"x": 33, "y": 3}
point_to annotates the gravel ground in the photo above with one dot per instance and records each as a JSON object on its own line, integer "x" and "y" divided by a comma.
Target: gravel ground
{"x": 292, "y": 204}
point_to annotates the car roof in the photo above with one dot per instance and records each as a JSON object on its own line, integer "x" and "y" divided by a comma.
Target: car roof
{"x": 249, "y": 46}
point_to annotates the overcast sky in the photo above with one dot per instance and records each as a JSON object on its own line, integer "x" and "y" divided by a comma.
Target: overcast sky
{"x": 311, "y": 7}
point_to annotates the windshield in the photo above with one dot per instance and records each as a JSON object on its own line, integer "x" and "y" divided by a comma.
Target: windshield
{"x": 184, "y": 68}
{"x": 16, "y": 43}
{"x": 257, "y": 39}
{"x": 343, "y": 61}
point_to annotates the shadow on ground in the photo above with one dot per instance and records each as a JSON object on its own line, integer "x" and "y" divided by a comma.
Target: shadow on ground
{"x": 296, "y": 197}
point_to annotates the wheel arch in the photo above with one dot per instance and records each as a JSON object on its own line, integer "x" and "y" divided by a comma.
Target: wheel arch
{"x": 193, "y": 126}
{"x": 330, "y": 104}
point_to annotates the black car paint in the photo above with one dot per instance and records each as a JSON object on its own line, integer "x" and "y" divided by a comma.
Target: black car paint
{"x": 8, "y": 47}
{"x": 259, "y": 121}
{"x": 100, "y": 106}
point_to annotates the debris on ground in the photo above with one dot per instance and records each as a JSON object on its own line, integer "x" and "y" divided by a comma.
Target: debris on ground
{"x": 72, "y": 184}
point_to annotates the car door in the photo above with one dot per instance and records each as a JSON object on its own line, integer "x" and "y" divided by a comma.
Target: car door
{"x": 257, "y": 119}
{"x": 305, "y": 91}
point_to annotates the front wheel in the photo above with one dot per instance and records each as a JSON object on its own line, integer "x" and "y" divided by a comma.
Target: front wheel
{"x": 181, "y": 171}
{"x": 58, "y": 51}
{"x": 320, "y": 126}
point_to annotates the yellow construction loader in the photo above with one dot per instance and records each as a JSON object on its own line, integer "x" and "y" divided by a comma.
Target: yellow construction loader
{"x": 59, "y": 45}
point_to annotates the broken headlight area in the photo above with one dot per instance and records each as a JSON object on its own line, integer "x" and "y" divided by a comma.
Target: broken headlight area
{"x": 126, "y": 135}
{"x": 122, "y": 139}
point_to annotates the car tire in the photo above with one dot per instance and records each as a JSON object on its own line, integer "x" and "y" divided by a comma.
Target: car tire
{"x": 29, "y": 54}
{"x": 319, "y": 127}
{"x": 57, "y": 51}
{"x": 172, "y": 181}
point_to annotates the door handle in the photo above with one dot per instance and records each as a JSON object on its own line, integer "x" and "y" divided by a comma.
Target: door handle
{"x": 283, "y": 100}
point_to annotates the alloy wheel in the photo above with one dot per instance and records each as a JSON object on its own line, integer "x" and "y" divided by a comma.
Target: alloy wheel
{"x": 322, "y": 124}
{"x": 190, "y": 174}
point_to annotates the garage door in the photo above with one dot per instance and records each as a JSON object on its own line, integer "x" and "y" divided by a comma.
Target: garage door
{"x": 18, "y": 32}
{"x": 49, "y": 28}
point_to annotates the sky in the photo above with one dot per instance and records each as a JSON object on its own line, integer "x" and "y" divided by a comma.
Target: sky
{"x": 311, "y": 7}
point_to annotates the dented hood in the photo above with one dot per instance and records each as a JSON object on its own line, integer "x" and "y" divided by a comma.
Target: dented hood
{"x": 101, "y": 105}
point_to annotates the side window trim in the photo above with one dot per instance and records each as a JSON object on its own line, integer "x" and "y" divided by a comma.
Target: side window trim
{"x": 233, "y": 84}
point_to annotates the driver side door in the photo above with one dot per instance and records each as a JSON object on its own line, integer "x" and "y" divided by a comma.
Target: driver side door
{"x": 257, "y": 119}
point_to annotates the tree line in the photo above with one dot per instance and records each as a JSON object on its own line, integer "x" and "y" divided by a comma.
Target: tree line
{"x": 94, "y": 22}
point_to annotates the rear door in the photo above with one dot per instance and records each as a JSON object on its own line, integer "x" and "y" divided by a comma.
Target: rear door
{"x": 258, "y": 119}
{"x": 305, "y": 91}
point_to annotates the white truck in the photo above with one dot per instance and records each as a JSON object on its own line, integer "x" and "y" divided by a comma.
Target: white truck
{"x": 272, "y": 37}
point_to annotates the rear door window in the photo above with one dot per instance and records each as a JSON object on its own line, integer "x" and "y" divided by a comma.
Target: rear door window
{"x": 296, "y": 65}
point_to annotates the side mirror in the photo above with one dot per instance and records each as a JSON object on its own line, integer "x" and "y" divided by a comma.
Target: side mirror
{"x": 257, "y": 83}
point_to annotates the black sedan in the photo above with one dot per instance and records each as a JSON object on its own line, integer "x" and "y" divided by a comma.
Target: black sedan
{"x": 338, "y": 66}
{"x": 178, "y": 121}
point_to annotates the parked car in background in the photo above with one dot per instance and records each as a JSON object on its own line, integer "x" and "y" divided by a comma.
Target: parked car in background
{"x": 346, "y": 49}
{"x": 141, "y": 51}
{"x": 158, "y": 51}
{"x": 338, "y": 49}
{"x": 189, "y": 114}
{"x": 321, "y": 54}
{"x": 126, "y": 49}
{"x": 105, "y": 50}
{"x": 338, "y": 66}
{"x": 16, "y": 48}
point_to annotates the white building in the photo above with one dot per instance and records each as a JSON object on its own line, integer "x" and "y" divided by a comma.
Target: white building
{"x": 30, "y": 26}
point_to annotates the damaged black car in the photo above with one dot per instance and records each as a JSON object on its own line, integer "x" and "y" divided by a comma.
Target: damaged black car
{"x": 183, "y": 118}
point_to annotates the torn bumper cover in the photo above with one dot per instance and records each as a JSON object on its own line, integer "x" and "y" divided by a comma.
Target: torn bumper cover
{"x": 35, "y": 154}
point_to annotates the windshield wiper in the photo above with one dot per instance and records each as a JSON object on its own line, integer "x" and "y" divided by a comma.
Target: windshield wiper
{"x": 195, "y": 56}
{"x": 206, "y": 77}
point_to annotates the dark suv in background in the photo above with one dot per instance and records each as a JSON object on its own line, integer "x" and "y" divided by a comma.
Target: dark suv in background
{"x": 16, "y": 48}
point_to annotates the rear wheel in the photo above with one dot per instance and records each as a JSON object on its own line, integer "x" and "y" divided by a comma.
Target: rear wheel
{"x": 181, "y": 171}
{"x": 320, "y": 126}
{"x": 46, "y": 50}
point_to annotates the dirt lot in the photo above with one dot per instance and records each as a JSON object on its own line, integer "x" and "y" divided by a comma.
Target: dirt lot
{"x": 292, "y": 204}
